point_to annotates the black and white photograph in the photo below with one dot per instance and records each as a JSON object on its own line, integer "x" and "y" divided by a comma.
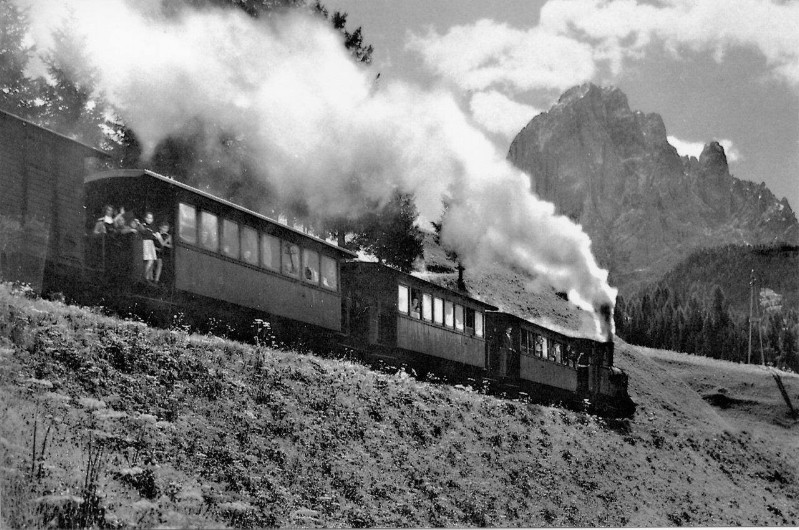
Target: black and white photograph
{"x": 399, "y": 263}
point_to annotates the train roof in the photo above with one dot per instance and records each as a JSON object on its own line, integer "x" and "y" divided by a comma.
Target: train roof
{"x": 560, "y": 330}
{"x": 133, "y": 173}
{"x": 415, "y": 280}
{"x": 25, "y": 121}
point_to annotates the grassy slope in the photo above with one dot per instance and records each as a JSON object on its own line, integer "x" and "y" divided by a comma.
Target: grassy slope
{"x": 210, "y": 431}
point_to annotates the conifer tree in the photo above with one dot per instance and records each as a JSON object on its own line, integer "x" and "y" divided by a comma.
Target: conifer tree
{"x": 71, "y": 104}
{"x": 391, "y": 234}
{"x": 16, "y": 88}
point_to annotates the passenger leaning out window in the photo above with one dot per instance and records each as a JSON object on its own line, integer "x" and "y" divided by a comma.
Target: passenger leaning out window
{"x": 148, "y": 245}
{"x": 164, "y": 241}
{"x": 105, "y": 224}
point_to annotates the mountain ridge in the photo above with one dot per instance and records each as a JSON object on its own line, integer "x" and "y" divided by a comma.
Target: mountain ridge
{"x": 645, "y": 207}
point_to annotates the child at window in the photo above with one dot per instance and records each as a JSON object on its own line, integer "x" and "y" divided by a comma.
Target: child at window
{"x": 148, "y": 245}
{"x": 164, "y": 238}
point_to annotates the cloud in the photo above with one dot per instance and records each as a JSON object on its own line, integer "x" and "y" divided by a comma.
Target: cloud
{"x": 500, "y": 114}
{"x": 576, "y": 38}
{"x": 622, "y": 29}
{"x": 689, "y": 148}
{"x": 491, "y": 54}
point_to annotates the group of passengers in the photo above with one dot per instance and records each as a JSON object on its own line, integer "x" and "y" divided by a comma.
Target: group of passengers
{"x": 114, "y": 222}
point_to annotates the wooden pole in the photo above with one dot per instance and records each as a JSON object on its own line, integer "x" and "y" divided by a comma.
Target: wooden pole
{"x": 751, "y": 301}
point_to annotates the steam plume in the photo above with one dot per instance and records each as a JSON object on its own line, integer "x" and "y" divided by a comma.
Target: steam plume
{"x": 321, "y": 130}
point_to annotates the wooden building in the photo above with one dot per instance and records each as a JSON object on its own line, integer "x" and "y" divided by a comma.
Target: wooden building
{"x": 41, "y": 199}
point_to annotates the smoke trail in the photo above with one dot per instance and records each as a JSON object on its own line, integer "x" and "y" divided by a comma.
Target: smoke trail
{"x": 321, "y": 130}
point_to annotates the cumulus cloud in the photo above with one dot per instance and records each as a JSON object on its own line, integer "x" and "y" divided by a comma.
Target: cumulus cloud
{"x": 624, "y": 28}
{"x": 689, "y": 148}
{"x": 574, "y": 38}
{"x": 500, "y": 114}
{"x": 323, "y": 133}
{"x": 491, "y": 54}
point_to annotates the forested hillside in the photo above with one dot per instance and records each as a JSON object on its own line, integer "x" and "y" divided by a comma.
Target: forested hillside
{"x": 702, "y": 306}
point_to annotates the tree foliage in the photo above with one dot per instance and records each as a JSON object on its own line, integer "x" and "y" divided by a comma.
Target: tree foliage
{"x": 390, "y": 233}
{"x": 17, "y": 90}
{"x": 660, "y": 317}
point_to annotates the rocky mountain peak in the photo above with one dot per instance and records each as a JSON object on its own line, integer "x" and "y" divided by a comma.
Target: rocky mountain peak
{"x": 645, "y": 207}
{"x": 713, "y": 159}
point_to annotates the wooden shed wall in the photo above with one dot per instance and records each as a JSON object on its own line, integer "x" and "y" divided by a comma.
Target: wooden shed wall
{"x": 41, "y": 178}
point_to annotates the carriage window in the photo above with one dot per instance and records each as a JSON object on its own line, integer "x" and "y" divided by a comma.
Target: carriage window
{"x": 539, "y": 346}
{"x": 270, "y": 252}
{"x": 427, "y": 307}
{"x": 187, "y": 223}
{"x": 291, "y": 259}
{"x": 230, "y": 238}
{"x": 402, "y": 299}
{"x": 459, "y": 317}
{"x": 470, "y": 321}
{"x": 416, "y": 304}
{"x": 449, "y": 314}
{"x": 209, "y": 233}
{"x": 438, "y": 311}
{"x": 329, "y": 274}
{"x": 249, "y": 245}
{"x": 478, "y": 323}
{"x": 310, "y": 266}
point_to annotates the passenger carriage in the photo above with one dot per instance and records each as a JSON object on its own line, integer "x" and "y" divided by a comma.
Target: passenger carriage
{"x": 223, "y": 255}
{"x": 552, "y": 364}
{"x": 406, "y": 318}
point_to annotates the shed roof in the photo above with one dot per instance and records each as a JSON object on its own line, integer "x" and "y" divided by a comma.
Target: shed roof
{"x": 26, "y": 122}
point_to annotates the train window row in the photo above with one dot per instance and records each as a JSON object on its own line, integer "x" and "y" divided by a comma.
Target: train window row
{"x": 535, "y": 345}
{"x": 445, "y": 313}
{"x": 242, "y": 242}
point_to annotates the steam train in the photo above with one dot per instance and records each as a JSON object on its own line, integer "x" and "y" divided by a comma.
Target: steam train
{"x": 237, "y": 266}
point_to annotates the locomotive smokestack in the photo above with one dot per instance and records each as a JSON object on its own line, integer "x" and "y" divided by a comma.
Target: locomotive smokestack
{"x": 605, "y": 322}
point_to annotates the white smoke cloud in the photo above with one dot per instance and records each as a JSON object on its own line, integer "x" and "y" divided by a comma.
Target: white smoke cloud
{"x": 689, "y": 148}
{"x": 313, "y": 117}
{"x": 500, "y": 114}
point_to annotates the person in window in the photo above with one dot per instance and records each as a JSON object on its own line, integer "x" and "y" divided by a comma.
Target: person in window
{"x": 293, "y": 262}
{"x": 416, "y": 307}
{"x": 164, "y": 241}
{"x": 105, "y": 224}
{"x": 122, "y": 219}
{"x": 131, "y": 227}
{"x": 506, "y": 352}
{"x": 148, "y": 245}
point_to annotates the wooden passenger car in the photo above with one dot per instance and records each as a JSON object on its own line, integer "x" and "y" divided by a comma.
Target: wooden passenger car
{"x": 223, "y": 253}
{"x": 41, "y": 183}
{"x": 405, "y": 316}
{"x": 549, "y": 362}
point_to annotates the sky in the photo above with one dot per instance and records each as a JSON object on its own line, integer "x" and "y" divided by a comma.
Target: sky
{"x": 714, "y": 70}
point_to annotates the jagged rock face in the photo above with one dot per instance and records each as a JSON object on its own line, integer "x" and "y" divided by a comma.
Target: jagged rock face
{"x": 613, "y": 171}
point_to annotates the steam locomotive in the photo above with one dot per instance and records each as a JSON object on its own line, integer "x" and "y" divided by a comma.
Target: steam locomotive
{"x": 238, "y": 266}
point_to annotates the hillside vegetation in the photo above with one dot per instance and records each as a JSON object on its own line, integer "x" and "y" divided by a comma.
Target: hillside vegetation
{"x": 112, "y": 423}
